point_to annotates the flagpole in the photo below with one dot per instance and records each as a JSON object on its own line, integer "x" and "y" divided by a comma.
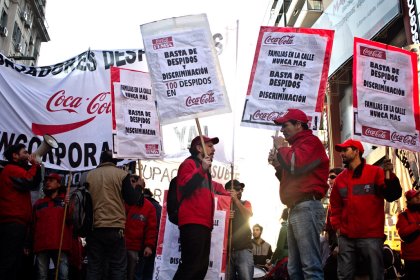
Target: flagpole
{"x": 63, "y": 224}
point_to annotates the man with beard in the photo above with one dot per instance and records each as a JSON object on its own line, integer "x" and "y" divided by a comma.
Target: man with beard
{"x": 17, "y": 180}
{"x": 260, "y": 248}
{"x": 408, "y": 226}
{"x": 47, "y": 225}
{"x": 302, "y": 169}
{"x": 357, "y": 210}
{"x": 195, "y": 214}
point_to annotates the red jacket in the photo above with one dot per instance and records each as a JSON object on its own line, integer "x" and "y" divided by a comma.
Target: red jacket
{"x": 140, "y": 226}
{"x": 47, "y": 224}
{"x": 304, "y": 168}
{"x": 197, "y": 206}
{"x": 357, "y": 204}
{"x": 408, "y": 226}
{"x": 16, "y": 184}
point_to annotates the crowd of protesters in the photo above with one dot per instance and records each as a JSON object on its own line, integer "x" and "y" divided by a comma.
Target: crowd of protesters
{"x": 332, "y": 226}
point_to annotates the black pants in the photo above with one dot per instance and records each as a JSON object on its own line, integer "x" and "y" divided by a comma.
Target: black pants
{"x": 412, "y": 270}
{"x": 106, "y": 254}
{"x": 195, "y": 251}
{"x": 12, "y": 239}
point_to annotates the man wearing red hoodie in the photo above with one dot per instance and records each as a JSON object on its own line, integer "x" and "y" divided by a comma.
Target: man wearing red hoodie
{"x": 195, "y": 215}
{"x": 17, "y": 180}
{"x": 302, "y": 169}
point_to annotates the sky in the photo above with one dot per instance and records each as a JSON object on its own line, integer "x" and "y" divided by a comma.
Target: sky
{"x": 75, "y": 26}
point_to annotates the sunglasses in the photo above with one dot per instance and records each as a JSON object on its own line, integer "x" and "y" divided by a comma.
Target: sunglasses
{"x": 332, "y": 176}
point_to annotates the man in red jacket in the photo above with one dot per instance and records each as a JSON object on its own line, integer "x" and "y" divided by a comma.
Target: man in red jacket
{"x": 302, "y": 169}
{"x": 195, "y": 215}
{"x": 408, "y": 226}
{"x": 47, "y": 221}
{"x": 357, "y": 210}
{"x": 17, "y": 180}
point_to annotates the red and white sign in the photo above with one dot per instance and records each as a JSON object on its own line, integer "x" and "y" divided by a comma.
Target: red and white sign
{"x": 135, "y": 120}
{"x": 290, "y": 70}
{"x": 70, "y": 100}
{"x": 184, "y": 68}
{"x": 168, "y": 252}
{"x": 385, "y": 95}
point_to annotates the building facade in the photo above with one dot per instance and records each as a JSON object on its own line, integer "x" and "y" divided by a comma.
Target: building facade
{"x": 22, "y": 29}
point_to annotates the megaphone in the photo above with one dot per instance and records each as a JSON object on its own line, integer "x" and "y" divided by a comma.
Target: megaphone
{"x": 47, "y": 144}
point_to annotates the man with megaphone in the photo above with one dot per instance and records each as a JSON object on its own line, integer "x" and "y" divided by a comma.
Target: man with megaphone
{"x": 17, "y": 180}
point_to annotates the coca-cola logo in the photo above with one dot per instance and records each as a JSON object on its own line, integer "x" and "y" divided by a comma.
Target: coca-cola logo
{"x": 162, "y": 43}
{"x": 60, "y": 101}
{"x": 376, "y": 133}
{"x": 406, "y": 139}
{"x": 380, "y": 54}
{"x": 284, "y": 40}
{"x": 262, "y": 116}
{"x": 206, "y": 98}
{"x": 152, "y": 149}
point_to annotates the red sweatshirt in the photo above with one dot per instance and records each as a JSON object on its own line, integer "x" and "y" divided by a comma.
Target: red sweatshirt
{"x": 408, "y": 226}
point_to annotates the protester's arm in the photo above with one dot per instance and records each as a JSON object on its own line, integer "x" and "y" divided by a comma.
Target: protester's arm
{"x": 219, "y": 189}
{"x": 245, "y": 209}
{"x": 392, "y": 189}
{"x": 407, "y": 231}
{"x": 130, "y": 195}
{"x": 151, "y": 228}
{"x": 301, "y": 158}
{"x": 190, "y": 176}
{"x": 336, "y": 208}
{"x": 273, "y": 160}
{"x": 26, "y": 180}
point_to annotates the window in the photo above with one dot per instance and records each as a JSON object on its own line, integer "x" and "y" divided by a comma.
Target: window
{"x": 3, "y": 19}
{"x": 17, "y": 34}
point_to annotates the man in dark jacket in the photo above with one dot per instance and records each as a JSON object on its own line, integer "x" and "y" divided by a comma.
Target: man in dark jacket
{"x": 357, "y": 210}
{"x": 17, "y": 180}
{"x": 195, "y": 215}
{"x": 302, "y": 169}
{"x": 241, "y": 258}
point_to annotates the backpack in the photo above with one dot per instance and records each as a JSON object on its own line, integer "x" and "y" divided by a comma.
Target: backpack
{"x": 82, "y": 208}
{"x": 172, "y": 203}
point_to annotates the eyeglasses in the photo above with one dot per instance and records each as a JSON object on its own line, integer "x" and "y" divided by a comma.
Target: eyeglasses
{"x": 332, "y": 176}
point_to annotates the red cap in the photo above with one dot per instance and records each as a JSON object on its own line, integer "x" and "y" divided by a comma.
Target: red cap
{"x": 197, "y": 141}
{"x": 411, "y": 193}
{"x": 350, "y": 143}
{"x": 292, "y": 114}
{"x": 54, "y": 176}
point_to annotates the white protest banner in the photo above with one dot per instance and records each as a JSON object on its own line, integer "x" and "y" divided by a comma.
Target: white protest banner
{"x": 385, "y": 95}
{"x": 290, "y": 70}
{"x": 134, "y": 117}
{"x": 70, "y": 100}
{"x": 168, "y": 251}
{"x": 184, "y": 68}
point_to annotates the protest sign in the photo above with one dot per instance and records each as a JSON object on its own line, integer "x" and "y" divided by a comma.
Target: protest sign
{"x": 168, "y": 252}
{"x": 70, "y": 100}
{"x": 290, "y": 70}
{"x": 184, "y": 68}
{"x": 134, "y": 116}
{"x": 385, "y": 95}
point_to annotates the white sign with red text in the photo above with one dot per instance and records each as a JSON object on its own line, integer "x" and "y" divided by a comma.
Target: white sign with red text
{"x": 385, "y": 95}
{"x": 184, "y": 68}
{"x": 135, "y": 120}
{"x": 70, "y": 100}
{"x": 168, "y": 252}
{"x": 290, "y": 70}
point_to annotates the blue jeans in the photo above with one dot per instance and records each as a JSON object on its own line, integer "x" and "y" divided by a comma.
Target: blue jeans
{"x": 355, "y": 251}
{"x": 43, "y": 264}
{"x": 241, "y": 265}
{"x": 306, "y": 220}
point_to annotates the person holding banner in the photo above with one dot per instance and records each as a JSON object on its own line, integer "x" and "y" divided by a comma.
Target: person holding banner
{"x": 196, "y": 210}
{"x": 109, "y": 187}
{"x": 357, "y": 210}
{"x": 302, "y": 169}
{"x": 17, "y": 180}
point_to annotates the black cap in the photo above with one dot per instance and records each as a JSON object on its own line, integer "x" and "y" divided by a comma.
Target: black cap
{"x": 235, "y": 183}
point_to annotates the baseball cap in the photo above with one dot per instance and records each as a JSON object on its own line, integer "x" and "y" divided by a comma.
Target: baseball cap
{"x": 411, "y": 193}
{"x": 235, "y": 182}
{"x": 197, "y": 141}
{"x": 54, "y": 176}
{"x": 292, "y": 114}
{"x": 350, "y": 143}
